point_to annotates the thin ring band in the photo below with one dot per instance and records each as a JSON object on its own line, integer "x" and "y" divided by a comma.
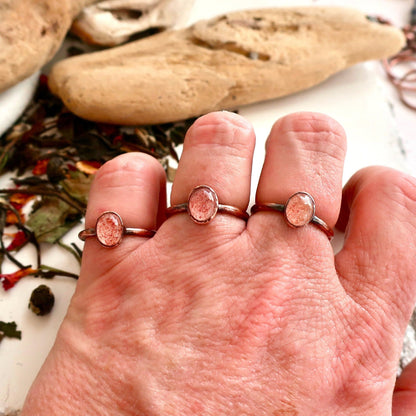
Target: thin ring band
{"x": 203, "y": 206}
{"x": 312, "y": 218}
{"x": 138, "y": 232}
{"x": 224, "y": 209}
{"x": 110, "y": 230}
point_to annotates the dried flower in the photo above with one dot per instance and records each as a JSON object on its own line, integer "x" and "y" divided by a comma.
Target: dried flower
{"x": 10, "y": 279}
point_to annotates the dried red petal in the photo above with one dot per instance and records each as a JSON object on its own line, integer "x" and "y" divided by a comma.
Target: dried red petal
{"x": 18, "y": 200}
{"x": 88, "y": 167}
{"x": 118, "y": 139}
{"x": 41, "y": 167}
{"x": 108, "y": 129}
{"x": 11, "y": 218}
{"x": 19, "y": 240}
{"x": 10, "y": 279}
{"x": 43, "y": 80}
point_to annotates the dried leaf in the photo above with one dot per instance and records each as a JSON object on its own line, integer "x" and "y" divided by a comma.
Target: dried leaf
{"x": 77, "y": 186}
{"x": 9, "y": 329}
{"x": 56, "y": 233}
{"x": 52, "y": 219}
{"x": 30, "y": 181}
{"x": 91, "y": 146}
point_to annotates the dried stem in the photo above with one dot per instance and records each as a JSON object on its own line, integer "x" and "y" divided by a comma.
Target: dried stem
{"x": 36, "y": 191}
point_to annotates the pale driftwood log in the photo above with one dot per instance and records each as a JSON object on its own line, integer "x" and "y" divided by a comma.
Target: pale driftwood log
{"x": 233, "y": 60}
{"x": 112, "y": 22}
{"x": 31, "y": 31}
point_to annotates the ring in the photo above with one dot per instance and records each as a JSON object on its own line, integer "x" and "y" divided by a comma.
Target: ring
{"x": 203, "y": 206}
{"x": 298, "y": 210}
{"x": 109, "y": 230}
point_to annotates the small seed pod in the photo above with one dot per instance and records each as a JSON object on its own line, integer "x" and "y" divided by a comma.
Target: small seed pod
{"x": 56, "y": 169}
{"x": 41, "y": 300}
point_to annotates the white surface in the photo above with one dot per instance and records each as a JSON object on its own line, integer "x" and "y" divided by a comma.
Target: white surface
{"x": 14, "y": 100}
{"x": 380, "y": 130}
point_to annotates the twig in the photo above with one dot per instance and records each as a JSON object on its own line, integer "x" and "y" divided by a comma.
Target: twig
{"x": 37, "y": 191}
{"x": 74, "y": 251}
{"x": 45, "y": 270}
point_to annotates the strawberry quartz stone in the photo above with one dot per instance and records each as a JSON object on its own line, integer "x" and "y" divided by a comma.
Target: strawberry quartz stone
{"x": 109, "y": 229}
{"x": 202, "y": 204}
{"x": 299, "y": 209}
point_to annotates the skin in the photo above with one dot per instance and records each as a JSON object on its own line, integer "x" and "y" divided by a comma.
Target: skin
{"x": 235, "y": 319}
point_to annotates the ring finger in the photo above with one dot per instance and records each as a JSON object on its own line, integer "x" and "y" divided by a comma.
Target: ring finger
{"x": 304, "y": 152}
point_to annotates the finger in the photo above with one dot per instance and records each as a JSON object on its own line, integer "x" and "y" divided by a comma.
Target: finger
{"x": 133, "y": 186}
{"x": 218, "y": 151}
{"x": 378, "y": 258}
{"x": 304, "y": 152}
{"x": 404, "y": 396}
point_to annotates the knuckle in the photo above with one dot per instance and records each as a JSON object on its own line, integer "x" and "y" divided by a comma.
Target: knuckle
{"x": 400, "y": 188}
{"x": 313, "y": 132}
{"x": 223, "y": 129}
{"x": 126, "y": 165}
{"x": 396, "y": 187}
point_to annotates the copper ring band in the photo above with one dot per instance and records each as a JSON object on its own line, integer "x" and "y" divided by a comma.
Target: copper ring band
{"x": 109, "y": 230}
{"x": 403, "y": 87}
{"x": 203, "y": 206}
{"x": 299, "y": 210}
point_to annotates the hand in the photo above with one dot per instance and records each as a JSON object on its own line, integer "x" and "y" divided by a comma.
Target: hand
{"x": 238, "y": 319}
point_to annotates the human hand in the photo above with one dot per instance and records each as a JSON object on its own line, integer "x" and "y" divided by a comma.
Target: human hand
{"x": 231, "y": 318}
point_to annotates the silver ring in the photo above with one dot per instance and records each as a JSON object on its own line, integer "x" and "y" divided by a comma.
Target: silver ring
{"x": 110, "y": 230}
{"x": 203, "y": 206}
{"x": 299, "y": 210}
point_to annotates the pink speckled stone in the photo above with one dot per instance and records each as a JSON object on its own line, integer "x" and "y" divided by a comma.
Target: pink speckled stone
{"x": 109, "y": 229}
{"x": 202, "y": 204}
{"x": 300, "y": 208}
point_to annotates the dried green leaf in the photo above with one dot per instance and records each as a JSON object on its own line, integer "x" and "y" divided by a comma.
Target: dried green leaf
{"x": 57, "y": 233}
{"x": 77, "y": 186}
{"x": 52, "y": 219}
{"x": 9, "y": 329}
{"x": 3, "y": 161}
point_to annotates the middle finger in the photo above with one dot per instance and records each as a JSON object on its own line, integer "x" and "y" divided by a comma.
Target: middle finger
{"x": 218, "y": 152}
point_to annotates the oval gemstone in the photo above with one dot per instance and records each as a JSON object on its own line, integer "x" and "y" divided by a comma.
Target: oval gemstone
{"x": 300, "y": 209}
{"x": 202, "y": 204}
{"x": 109, "y": 229}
